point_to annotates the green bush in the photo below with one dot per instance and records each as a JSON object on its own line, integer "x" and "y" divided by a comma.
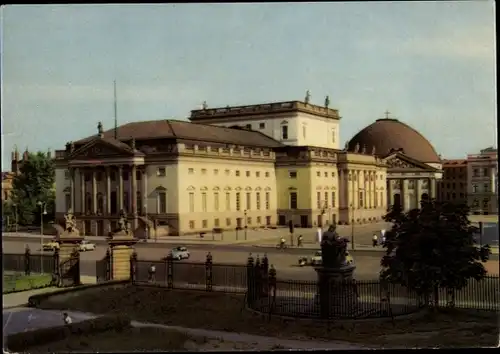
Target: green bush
{"x": 21, "y": 342}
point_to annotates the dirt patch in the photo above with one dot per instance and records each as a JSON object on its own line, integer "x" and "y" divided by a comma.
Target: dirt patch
{"x": 492, "y": 267}
{"x": 225, "y": 312}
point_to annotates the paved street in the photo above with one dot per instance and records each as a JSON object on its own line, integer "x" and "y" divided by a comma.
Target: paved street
{"x": 284, "y": 261}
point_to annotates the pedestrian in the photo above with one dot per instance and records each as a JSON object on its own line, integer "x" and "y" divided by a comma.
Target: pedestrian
{"x": 374, "y": 240}
{"x": 152, "y": 273}
{"x": 67, "y": 320}
{"x": 299, "y": 241}
{"x": 383, "y": 240}
{"x": 319, "y": 234}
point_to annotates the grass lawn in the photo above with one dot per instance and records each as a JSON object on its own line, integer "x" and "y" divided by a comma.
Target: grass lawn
{"x": 21, "y": 282}
{"x": 220, "y": 311}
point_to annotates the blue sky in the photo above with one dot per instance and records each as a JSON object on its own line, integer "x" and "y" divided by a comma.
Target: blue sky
{"x": 431, "y": 63}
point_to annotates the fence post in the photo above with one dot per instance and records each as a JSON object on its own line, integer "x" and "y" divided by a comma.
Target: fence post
{"x": 75, "y": 266}
{"x": 170, "y": 272}
{"x": 265, "y": 275}
{"x": 133, "y": 265}
{"x": 27, "y": 260}
{"x": 209, "y": 274}
{"x": 258, "y": 278}
{"x": 107, "y": 264}
{"x": 272, "y": 282}
{"x": 250, "y": 280}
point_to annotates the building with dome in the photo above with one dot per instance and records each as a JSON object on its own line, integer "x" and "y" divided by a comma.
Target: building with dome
{"x": 245, "y": 166}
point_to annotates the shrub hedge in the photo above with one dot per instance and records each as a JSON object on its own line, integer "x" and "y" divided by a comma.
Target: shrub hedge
{"x": 21, "y": 342}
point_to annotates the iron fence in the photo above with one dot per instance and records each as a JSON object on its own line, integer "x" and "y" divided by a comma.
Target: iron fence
{"x": 28, "y": 263}
{"x": 267, "y": 294}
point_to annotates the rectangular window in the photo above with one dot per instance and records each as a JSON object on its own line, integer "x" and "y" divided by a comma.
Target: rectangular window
{"x": 238, "y": 206}
{"x": 326, "y": 199}
{"x": 318, "y": 174}
{"x": 485, "y": 172}
{"x": 67, "y": 175}
{"x": 292, "y": 174}
{"x": 259, "y": 220}
{"x": 249, "y": 221}
{"x": 474, "y": 188}
{"x": 216, "y": 201}
{"x": 284, "y": 132}
{"x": 257, "y": 174}
{"x": 191, "y": 171}
{"x": 326, "y": 174}
{"x": 476, "y": 172}
{"x": 204, "y": 201}
{"x": 228, "y": 201}
{"x": 485, "y": 187}
{"x": 249, "y": 201}
{"x": 333, "y": 199}
{"x": 237, "y": 173}
{"x": 204, "y": 224}
{"x": 304, "y": 131}
{"x": 216, "y": 172}
{"x": 203, "y": 171}
{"x": 191, "y": 202}
{"x": 162, "y": 202}
{"x": 227, "y": 172}
{"x": 267, "y": 174}
{"x": 262, "y": 125}
{"x": 247, "y": 173}
{"x": 318, "y": 200}
{"x": 293, "y": 200}
{"x": 361, "y": 200}
{"x": 228, "y": 221}
{"x": 248, "y": 126}
{"x": 257, "y": 197}
{"x": 268, "y": 200}
{"x": 216, "y": 223}
{"x": 333, "y": 135}
{"x": 191, "y": 224}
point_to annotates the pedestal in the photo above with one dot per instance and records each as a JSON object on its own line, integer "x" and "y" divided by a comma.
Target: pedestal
{"x": 122, "y": 247}
{"x": 337, "y": 294}
{"x": 69, "y": 259}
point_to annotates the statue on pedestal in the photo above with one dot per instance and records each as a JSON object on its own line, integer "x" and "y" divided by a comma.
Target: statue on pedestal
{"x": 333, "y": 248}
{"x": 69, "y": 221}
{"x": 123, "y": 225}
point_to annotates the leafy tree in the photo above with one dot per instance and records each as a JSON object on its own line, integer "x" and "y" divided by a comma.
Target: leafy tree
{"x": 431, "y": 248}
{"x": 34, "y": 183}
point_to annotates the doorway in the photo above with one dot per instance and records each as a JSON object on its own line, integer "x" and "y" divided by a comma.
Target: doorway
{"x": 320, "y": 220}
{"x": 100, "y": 228}
{"x": 397, "y": 200}
{"x": 239, "y": 223}
{"x": 114, "y": 203}
{"x": 282, "y": 220}
{"x": 304, "y": 221}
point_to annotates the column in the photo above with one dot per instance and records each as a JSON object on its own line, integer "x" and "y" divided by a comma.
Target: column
{"x": 94, "y": 192}
{"x": 108, "y": 190}
{"x": 419, "y": 191}
{"x": 342, "y": 188}
{"x": 374, "y": 189}
{"x": 433, "y": 187}
{"x": 134, "y": 195}
{"x": 120, "y": 188}
{"x": 72, "y": 189}
{"x": 404, "y": 194}
{"x": 82, "y": 190}
{"x": 366, "y": 193}
{"x": 353, "y": 190}
{"x": 144, "y": 193}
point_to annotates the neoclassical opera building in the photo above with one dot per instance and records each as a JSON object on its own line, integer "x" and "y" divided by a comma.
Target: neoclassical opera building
{"x": 254, "y": 165}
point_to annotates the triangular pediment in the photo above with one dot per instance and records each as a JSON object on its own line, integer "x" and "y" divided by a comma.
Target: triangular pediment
{"x": 399, "y": 161}
{"x": 102, "y": 148}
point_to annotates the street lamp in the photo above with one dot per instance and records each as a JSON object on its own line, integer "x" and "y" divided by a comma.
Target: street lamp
{"x": 352, "y": 226}
{"x": 43, "y": 212}
{"x": 15, "y": 212}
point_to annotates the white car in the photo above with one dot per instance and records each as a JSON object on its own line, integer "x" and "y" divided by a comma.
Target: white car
{"x": 179, "y": 253}
{"x": 316, "y": 259}
{"x": 86, "y": 246}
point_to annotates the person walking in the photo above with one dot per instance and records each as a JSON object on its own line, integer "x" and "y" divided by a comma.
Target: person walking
{"x": 374, "y": 240}
{"x": 299, "y": 241}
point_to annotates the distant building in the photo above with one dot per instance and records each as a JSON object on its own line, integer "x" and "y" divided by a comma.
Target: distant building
{"x": 245, "y": 166}
{"x": 453, "y": 186}
{"x": 8, "y": 177}
{"x": 482, "y": 177}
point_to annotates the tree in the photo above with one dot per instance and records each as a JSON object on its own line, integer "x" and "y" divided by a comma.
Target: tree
{"x": 34, "y": 184}
{"x": 432, "y": 247}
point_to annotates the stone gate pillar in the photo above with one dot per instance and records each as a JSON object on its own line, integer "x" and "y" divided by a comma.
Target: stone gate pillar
{"x": 121, "y": 244}
{"x": 69, "y": 255}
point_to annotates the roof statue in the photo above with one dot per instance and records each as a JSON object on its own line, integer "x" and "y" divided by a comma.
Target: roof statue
{"x": 307, "y": 99}
{"x": 204, "y": 105}
{"x": 327, "y": 101}
{"x": 373, "y": 150}
{"x": 356, "y": 148}
{"x": 132, "y": 143}
{"x": 346, "y": 147}
{"x": 99, "y": 129}
{"x": 363, "y": 151}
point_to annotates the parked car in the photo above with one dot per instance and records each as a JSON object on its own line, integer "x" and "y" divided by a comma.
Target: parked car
{"x": 179, "y": 253}
{"x": 86, "y": 246}
{"x": 316, "y": 259}
{"x": 52, "y": 245}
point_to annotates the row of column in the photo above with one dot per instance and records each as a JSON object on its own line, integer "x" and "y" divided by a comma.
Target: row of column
{"x": 404, "y": 189}
{"x": 108, "y": 169}
{"x": 368, "y": 185}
